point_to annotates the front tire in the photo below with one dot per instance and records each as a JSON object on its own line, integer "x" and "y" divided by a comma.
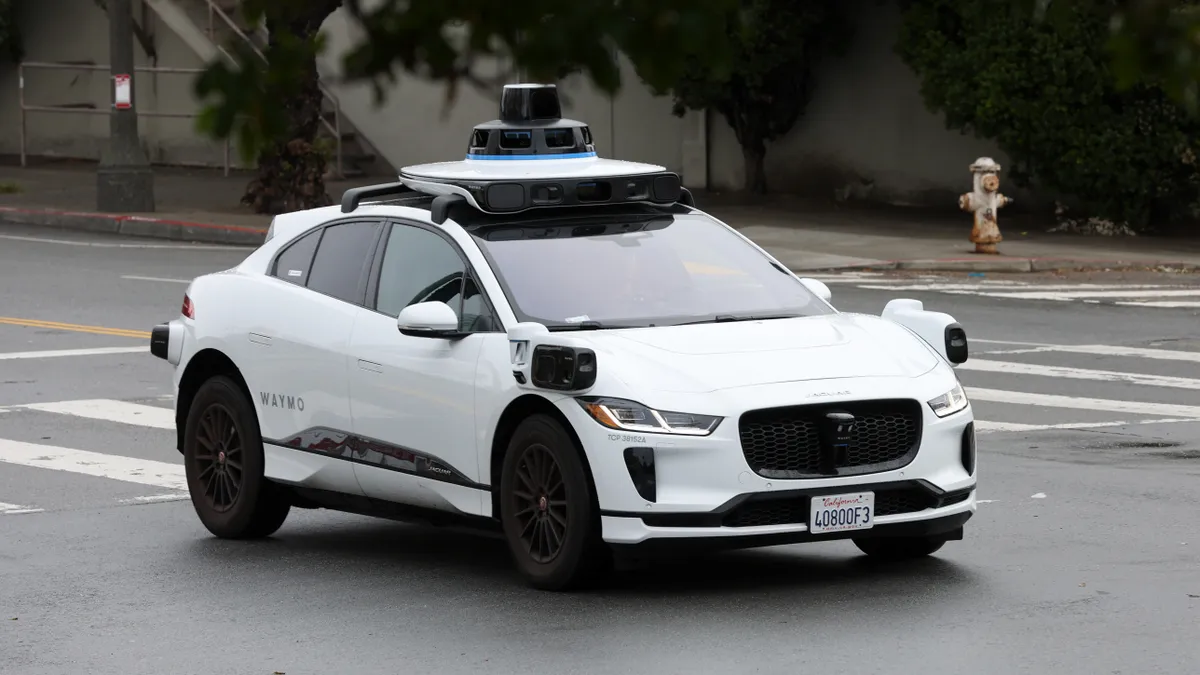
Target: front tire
{"x": 223, "y": 460}
{"x": 548, "y": 508}
{"x": 896, "y": 549}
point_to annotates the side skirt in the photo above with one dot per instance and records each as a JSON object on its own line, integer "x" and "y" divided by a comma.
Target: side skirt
{"x": 311, "y": 498}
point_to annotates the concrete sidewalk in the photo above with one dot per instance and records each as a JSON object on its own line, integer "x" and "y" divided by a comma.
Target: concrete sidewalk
{"x": 202, "y": 205}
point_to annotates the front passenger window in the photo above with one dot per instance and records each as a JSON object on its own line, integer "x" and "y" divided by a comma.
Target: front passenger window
{"x": 421, "y": 266}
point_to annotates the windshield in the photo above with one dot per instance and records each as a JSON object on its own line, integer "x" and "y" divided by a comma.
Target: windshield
{"x": 674, "y": 270}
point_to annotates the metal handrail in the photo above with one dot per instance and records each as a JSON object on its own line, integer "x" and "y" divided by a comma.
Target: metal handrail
{"x": 26, "y": 108}
{"x": 335, "y": 128}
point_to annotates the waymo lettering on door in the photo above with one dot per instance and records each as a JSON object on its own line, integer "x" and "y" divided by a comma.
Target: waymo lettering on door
{"x": 270, "y": 400}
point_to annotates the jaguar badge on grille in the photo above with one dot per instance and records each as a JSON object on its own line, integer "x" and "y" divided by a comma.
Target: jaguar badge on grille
{"x": 837, "y": 432}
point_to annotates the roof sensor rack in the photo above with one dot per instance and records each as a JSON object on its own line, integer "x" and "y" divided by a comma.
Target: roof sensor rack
{"x": 354, "y": 196}
{"x": 530, "y": 158}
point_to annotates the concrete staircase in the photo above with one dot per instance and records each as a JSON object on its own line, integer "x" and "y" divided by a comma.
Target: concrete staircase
{"x": 207, "y": 26}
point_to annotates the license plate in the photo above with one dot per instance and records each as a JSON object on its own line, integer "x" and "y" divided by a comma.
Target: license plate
{"x": 840, "y": 513}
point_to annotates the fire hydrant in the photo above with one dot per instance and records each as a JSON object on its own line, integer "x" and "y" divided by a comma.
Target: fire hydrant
{"x": 984, "y": 201}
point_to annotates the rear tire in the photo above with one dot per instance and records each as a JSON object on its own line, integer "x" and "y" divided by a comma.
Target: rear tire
{"x": 223, "y": 460}
{"x": 896, "y": 549}
{"x": 548, "y": 508}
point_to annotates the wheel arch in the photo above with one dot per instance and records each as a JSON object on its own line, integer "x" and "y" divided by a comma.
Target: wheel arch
{"x": 518, "y": 410}
{"x": 203, "y": 366}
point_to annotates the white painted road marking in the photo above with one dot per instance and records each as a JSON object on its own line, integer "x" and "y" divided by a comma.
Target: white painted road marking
{"x": 129, "y": 469}
{"x": 159, "y": 279}
{"x": 98, "y": 351}
{"x": 1005, "y": 289}
{"x": 1082, "y": 403}
{"x": 1175, "y": 305}
{"x": 1167, "y": 296}
{"x": 1015, "y": 368}
{"x": 1103, "y": 350}
{"x": 110, "y": 411}
{"x": 155, "y": 499}
{"x": 1071, "y": 295}
{"x": 989, "y": 427}
{"x": 97, "y": 244}
{"x": 16, "y": 509}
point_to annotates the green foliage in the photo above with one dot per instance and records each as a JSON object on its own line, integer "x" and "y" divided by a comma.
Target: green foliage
{"x": 253, "y": 101}
{"x": 775, "y": 45}
{"x": 545, "y": 39}
{"x": 1158, "y": 41}
{"x": 1150, "y": 41}
{"x": 1046, "y": 93}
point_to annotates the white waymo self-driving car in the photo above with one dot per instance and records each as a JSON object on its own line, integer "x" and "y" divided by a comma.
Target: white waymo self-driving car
{"x": 564, "y": 349}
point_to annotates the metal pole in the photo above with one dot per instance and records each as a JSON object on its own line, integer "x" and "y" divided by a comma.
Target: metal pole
{"x": 21, "y": 96}
{"x": 124, "y": 180}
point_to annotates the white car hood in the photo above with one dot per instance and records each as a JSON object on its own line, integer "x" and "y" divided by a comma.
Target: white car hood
{"x": 710, "y": 357}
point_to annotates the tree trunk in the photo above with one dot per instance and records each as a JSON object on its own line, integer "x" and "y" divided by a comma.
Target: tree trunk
{"x": 753, "y": 155}
{"x": 291, "y": 170}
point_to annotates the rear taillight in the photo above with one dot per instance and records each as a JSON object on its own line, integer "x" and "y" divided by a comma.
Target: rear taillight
{"x": 188, "y": 309}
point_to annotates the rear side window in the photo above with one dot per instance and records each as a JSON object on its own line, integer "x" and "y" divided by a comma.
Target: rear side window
{"x": 340, "y": 266}
{"x": 293, "y": 264}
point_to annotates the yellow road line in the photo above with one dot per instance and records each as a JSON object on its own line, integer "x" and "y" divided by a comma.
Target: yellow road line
{"x": 74, "y": 327}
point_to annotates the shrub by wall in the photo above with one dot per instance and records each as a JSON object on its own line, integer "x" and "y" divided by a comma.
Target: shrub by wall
{"x": 1045, "y": 94}
{"x": 10, "y": 37}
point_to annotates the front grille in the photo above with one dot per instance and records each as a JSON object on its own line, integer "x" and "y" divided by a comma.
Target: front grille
{"x": 794, "y": 510}
{"x": 786, "y": 442}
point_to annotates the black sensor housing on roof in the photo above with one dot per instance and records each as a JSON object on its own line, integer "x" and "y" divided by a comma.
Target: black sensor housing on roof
{"x": 528, "y": 102}
{"x": 514, "y": 195}
{"x": 530, "y": 124}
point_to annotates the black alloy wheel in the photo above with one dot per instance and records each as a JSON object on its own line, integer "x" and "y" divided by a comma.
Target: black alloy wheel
{"x": 540, "y": 504}
{"x": 218, "y": 461}
{"x": 223, "y": 460}
{"x": 548, "y": 508}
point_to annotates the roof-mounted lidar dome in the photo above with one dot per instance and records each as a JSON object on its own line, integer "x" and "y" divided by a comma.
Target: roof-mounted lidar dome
{"x": 530, "y": 127}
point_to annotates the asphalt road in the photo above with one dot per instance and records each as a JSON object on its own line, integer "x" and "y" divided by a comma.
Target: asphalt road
{"x": 1083, "y": 558}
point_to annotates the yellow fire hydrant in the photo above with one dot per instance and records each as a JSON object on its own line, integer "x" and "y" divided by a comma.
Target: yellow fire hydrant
{"x": 984, "y": 201}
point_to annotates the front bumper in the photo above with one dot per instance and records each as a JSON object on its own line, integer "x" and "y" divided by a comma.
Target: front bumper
{"x": 675, "y": 489}
{"x": 772, "y": 518}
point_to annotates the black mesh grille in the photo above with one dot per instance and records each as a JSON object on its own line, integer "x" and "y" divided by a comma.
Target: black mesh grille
{"x": 786, "y": 442}
{"x": 795, "y": 510}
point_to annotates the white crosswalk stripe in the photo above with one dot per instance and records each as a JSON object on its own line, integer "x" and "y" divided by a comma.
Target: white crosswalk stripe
{"x": 111, "y": 411}
{"x": 1166, "y": 296}
{"x": 15, "y": 509}
{"x": 1014, "y": 387}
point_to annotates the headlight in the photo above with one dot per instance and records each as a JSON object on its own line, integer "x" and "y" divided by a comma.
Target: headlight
{"x": 949, "y": 402}
{"x": 616, "y": 413}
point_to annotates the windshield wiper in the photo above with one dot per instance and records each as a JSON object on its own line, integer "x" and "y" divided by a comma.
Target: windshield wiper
{"x": 583, "y": 325}
{"x": 726, "y": 318}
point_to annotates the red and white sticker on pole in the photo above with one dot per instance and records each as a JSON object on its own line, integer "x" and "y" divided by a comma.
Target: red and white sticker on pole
{"x": 122, "y": 89}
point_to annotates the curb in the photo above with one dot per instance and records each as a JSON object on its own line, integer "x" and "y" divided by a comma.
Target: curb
{"x": 135, "y": 226}
{"x": 1017, "y": 265}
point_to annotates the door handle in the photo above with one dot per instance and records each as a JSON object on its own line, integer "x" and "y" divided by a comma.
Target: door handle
{"x": 370, "y": 365}
{"x": 260, "y": 339}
